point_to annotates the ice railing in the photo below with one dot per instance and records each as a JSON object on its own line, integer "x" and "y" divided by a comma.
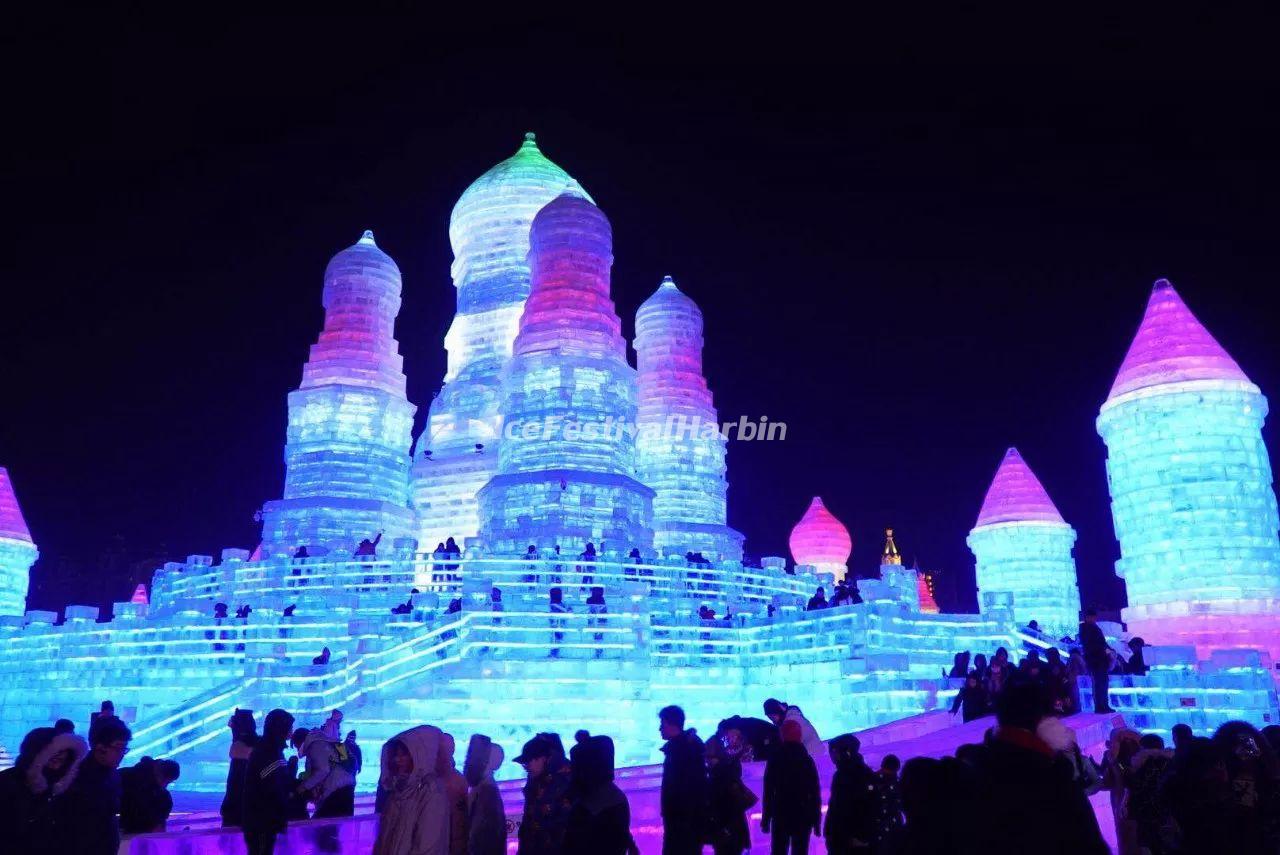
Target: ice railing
{"x": 377, "y": 582}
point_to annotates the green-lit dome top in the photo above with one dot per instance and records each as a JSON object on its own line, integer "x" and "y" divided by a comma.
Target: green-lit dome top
{"x": 489, "y": 228}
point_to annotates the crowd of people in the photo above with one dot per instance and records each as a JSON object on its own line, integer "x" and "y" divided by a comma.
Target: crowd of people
{"x": 1219, "y": 794}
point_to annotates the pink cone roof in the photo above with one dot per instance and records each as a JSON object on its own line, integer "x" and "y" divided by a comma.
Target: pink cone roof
{"x": 820, "y": 538}
{"x": 12, "y": 525}
{"x": 1016, "y": 495}
{"x": 1172, "y": 346}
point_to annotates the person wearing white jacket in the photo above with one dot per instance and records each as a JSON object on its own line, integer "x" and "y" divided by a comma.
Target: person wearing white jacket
{"x": 415, "y": 813}
{"x": 779, "y": 711}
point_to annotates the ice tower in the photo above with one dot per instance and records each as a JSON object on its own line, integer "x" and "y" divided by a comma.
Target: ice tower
{"x": 1191, "y": 488}
{"x": 566, "y": 466}
{"x": 347, "y": 446}
{"x": 1023, "y": 547}
{"x": 680, "y": 451}
{"x": 820, "y": 540}
{"x": 17, "y": 551}
{"x": 457, "y": 453}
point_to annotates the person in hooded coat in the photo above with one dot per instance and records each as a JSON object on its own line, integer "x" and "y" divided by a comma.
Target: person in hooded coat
{"x": 327, "y": 783}
{"x": 44, "y": 769}
{"x": 455, "y": 790}
{"x": 244, "y": 735}
{"x": 792, "y": 796}
{"x": 854, "y": 811}
{"x": 145, "y": 802}
{"x": 486, "y": 818}
{"x": 600, "y": 819}
{"x": 415, "y": 813}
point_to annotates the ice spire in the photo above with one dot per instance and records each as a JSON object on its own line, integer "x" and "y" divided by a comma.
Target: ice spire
{"x": 347, "y": 444}
{"x": 457, "y": 452}
{"x": 17, "y": 550}
{"x": 1191, "y": 487}
{"x": 566, "y": 463}
{"x": 680, "y": 451}
{"x": 890, "y": 554}
{"x": 1023, "y": 548}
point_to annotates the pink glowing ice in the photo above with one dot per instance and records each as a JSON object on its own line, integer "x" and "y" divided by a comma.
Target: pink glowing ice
{"x": 1016, "y": 495}
{"x": 819, "y": 539}
{"x": 1172, "y": 346}
{"x": 12, "y": 525}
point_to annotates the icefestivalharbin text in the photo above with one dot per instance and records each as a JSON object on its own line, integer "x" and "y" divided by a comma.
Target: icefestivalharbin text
{"x": 673, "y": 428}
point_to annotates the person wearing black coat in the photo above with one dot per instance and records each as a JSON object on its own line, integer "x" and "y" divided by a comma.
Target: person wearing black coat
{"x": 45, "y": 767}
{"x": 1098, "y": 660}
{"x": 600, "y": 820}
{"x": 1043, "y": 809}
{"x": 268, "y": 787}
{"x": 748, "y": 738}
{"x": 145, "y": 802}
{"x": 728, "y": 801}
{"x": 244, "y": 735}
{"x": 854, "y": 811}
{"x": 971, "y": 699}
{"x": 792, "y": 798}
{"x": 85, "y": 815}
{"x": 684, "y": 785}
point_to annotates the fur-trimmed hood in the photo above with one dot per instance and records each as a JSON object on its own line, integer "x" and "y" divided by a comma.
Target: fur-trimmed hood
{"x": 36, "y": 781}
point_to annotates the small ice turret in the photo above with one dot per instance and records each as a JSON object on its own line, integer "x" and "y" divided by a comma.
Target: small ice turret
{"x": 1023, "y": 547}
{"x": 680, "y": 451}
{"x": 347, "y": 445}
{"x": 1191, "y": 488}
{"x": 821, "y": 541}
{"x": 17, "y": 551}
{"x": 566, "y": 466}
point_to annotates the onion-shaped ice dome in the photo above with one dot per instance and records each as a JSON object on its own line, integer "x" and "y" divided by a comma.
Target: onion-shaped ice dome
{"x": 489, "y": 227}
{"x": 820, "y": 540}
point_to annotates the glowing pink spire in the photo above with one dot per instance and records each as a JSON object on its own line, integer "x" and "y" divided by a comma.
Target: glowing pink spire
{"x": 1172, "y": 346}
{"x": 821, "y": 540}
{"x": 1016, "y": 495}
{"x": 139, "y": 595}
{"x": 12, "y": 525}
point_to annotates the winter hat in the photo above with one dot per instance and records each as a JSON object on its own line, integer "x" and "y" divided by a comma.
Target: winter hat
{"x": 791, "y": 732}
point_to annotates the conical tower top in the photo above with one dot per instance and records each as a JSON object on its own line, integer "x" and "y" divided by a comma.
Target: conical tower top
{"x": 12, "y": 524}
{"x": 1172, "y": 346}
{"x": 1016, "y": 495}
{"x": 890, "y": 555}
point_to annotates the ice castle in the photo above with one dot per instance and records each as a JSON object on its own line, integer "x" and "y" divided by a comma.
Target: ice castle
{"x": 554, "y": 463}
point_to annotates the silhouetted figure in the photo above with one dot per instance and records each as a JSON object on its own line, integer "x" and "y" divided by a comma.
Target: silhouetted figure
{"x": 145, "y": 802}
{"x": 486, "y": 819}
{"x": 792, "y": 797}
{"x": 684, "y": 785}
{"x": 85, "y": 814}
{"x": 269, "y": 785}
{"x": 28, "y": 789}
{"x": 547, "y": 798}
{"x": 959, "y": 666}
{"x": 972, "y": 699}
{"x": 220, "y": 610}
{"x": 244, "y": 611}
{"x": 599, "y": 823}
{"x": 289, "y": 610}
{"x": 64, "y": 725}
{"x": 455, "y": 606}
{"x": 728, "y": 801}
{"x": 244, "y": 736}
{"x": 818, "y": 600}
{"x": 1097, "y": 659}
{"x": 556, "y": 605}
{"x": 1137, "y": 664}
{"x": 322, "y": 659}
{"x": 368, "y": 548}
{"x": 301, "y": 552}
{"x": 854, "y": 811}
{"x": 597, "y": 606}
{"x": 1033, "y": 626}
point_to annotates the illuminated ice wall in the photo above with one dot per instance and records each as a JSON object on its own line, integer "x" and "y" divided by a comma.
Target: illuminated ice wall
{"x": 1191, "y": 488}
{"x": 680, "y": 451}
{"x": 17, "y": 551}
{"x": 1023, "y": 548}
{"x": 566, "y": 471}
{"x": 820, "y": 540}
{"x": 347, "y": 445}
{"x": 489, "y": 231}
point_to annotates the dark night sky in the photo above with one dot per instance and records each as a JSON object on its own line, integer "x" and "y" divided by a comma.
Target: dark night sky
{"x": 915, "y": 260}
